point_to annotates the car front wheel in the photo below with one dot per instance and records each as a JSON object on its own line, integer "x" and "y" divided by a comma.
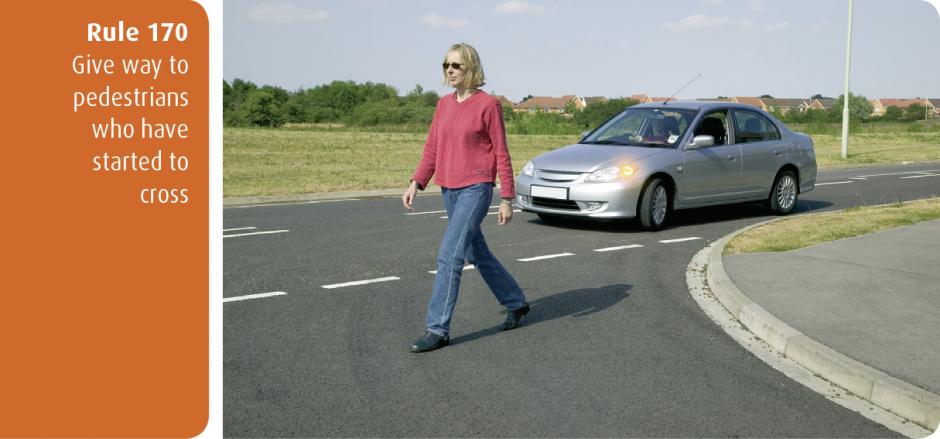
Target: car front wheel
{"x": 654, "y": 205}
{"x": 784, "y": 193}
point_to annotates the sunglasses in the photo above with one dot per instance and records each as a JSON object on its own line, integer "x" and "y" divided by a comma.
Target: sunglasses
{"x": 456, "y": 66}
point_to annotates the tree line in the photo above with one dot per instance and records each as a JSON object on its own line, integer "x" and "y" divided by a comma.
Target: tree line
{"x": 369, "y": 104}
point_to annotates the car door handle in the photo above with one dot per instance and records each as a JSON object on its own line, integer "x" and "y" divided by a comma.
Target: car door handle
{"x": 732, "y": 158}
{"x": 777, "y": 153}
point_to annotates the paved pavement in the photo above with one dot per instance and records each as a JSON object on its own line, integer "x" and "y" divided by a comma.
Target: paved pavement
{"x": 862, "y": 312}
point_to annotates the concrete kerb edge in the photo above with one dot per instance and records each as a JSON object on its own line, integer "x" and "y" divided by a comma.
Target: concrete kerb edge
{"x": 904, "y": 399}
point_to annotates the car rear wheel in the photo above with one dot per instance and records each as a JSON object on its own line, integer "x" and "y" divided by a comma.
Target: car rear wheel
{"x": 654, "y": 205}
{"x": 784, "y": 193}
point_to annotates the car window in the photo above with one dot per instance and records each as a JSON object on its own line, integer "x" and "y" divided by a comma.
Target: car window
{"x": 753, "y": 127}
{"x": 714, "y": 124}
{"x": 644, "y": 127}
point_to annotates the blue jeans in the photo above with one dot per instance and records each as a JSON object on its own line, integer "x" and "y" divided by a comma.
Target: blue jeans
{"x": 463, "y": 241}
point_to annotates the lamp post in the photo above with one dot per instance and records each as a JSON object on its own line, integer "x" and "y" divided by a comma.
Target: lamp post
{"x": 845, "y": 95}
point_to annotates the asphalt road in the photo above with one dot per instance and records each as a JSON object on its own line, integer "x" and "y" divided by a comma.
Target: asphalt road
{"x": 614, "y": 346}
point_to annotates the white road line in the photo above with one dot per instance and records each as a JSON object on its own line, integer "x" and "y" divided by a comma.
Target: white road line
{"x": 255, "y": 233}
{"x": 292, "y": 203}
{"x": 465, "y": 267}
{"x": 329, "y": 201}
{"x": 539, "y": 258}
{"x": 670, "y": 241}
{"x": 425, "y": 213}
{"x": 362, "y": 282}
{"x": 858, "y": 178}
{"x": 833, "y": 182}
{"x": 438, "y": 211}
{"x": 491, "y": 213}
{"x": 253, "y": 296}
{"x": 922, "y": 176}
{"x": 240, "y": 228}
{"x": 622, "y": 247}
{"x": 899, "y": 173}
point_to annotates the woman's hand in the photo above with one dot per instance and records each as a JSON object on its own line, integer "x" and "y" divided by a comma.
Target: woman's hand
{"x": 409, "y": 196}
{"x": 505, "y": 213}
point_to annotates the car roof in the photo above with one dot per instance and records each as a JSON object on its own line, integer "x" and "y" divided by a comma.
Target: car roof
{"x": 695, "y": 105}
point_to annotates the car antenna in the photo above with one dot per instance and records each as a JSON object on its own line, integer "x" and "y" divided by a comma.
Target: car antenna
{"x": 682, "y": 88}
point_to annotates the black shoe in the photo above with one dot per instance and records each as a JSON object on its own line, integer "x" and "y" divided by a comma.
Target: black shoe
{"x": 429, "y": 342}
{"x": 514, "y": 317}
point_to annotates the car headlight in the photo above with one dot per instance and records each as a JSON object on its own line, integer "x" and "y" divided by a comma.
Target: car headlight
{"x": 528, "y": 169}
{"x": 611, "y": 173}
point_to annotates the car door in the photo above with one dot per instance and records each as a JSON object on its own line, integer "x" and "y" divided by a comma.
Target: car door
{"x": 763, "y": 152}
{"x": 711, "y": 175}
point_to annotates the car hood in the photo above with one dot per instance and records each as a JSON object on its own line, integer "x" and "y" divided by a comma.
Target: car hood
{"x": 588, "y": 158}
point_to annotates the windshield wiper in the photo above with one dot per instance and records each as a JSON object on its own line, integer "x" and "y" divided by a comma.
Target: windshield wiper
{"x": 655, "y": 145}
{"x": 605, "y": 142}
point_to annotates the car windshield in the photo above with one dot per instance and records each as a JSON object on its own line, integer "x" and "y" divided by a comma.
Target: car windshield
{"x": 656, "y": 127}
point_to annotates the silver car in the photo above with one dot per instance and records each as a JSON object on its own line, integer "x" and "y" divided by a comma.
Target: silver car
{"x": 652, "y": 159}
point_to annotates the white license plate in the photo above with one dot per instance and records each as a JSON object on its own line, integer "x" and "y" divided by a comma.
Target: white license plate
{"x": 558, "y": 193}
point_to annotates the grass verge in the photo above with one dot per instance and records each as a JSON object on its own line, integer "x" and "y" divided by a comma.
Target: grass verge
{"x": 807, "y": 230}
{"x": 285, "y": 161}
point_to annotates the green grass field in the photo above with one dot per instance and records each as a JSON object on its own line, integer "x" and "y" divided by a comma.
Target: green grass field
{"x": 279, "y": 161}
{"x": 295, "y": 160}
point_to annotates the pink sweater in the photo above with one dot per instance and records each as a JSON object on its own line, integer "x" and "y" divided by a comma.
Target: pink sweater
{"x": 467, "y": 145}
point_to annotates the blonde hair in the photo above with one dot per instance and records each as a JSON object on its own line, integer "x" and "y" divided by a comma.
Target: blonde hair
{"x": 471, "y": 61}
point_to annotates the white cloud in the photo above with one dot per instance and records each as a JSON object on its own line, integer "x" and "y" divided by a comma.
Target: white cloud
{"x": 756, "y": 5}
{"x": 437, "y": 21}
{"x": 285, "y": 13}
{"x": 697, "y": 22}
{"x": 520, "y": 7}
{"x": 747, "y": 26}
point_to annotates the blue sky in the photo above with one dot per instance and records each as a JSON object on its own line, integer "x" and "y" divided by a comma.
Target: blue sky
{"x": 788, "y": 49}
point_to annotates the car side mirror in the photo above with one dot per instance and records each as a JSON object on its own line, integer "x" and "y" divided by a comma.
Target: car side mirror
{"x": 701, "y": 141}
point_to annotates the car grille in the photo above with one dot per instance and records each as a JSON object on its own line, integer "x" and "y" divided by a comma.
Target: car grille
{"x": 557, "y": 175}
{"x": 555, "y": 204}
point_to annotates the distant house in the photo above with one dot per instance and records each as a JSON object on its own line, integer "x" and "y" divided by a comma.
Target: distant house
{"x": 934, "y": 105}
{"x": 880, "y": 105}
{"x": 548, "y": 104}
{"x": 822, "y": 104}
{"x": 504, "y": 101}
{"x": 757, "y": 102}
{"x": 646, "y": 99}
{"x": 785, "y": 105}
{"x": 594, "y": 100}
{"x": 718, "y": 99}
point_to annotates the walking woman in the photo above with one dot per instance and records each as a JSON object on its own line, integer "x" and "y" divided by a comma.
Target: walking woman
{"x": 465, "y": 151}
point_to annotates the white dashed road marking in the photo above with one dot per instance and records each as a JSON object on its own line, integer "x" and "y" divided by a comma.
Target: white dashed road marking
{"x": 622, "y": 247}
{"x": 539, "y": 258}
{"x": 491, "y": 213}
{"x": 833, "y": 182}
{"x": 670, "y": 241}
{"x": 899, "y": 173}
{"x": 240, "y": 228}
{"x": 255, "y": 233}
{"x": 253, "y": 296}
{"x": 922, "y": 176}
{"x": 362, "y": 282}
{"x": 425, "y": 213}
